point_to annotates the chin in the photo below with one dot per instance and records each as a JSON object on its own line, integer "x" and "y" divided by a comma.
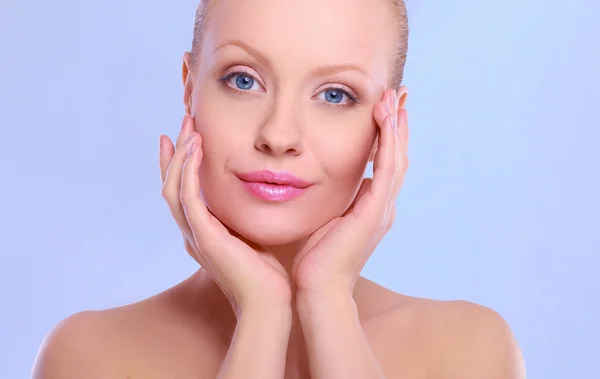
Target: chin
{"x": 271, "y": 224}
{"x": 267, "y": 237}
{"x": 269, "y": 228}
{"x": 267, "y": 224}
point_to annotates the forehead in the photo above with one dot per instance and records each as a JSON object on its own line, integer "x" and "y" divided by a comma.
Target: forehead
{"x": 308, "y": 33}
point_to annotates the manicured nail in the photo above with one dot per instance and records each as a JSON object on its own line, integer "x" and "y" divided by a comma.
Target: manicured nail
{"x": 160, "y": 143}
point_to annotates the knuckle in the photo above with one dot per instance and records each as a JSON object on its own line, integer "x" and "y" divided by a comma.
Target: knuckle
{"x": 190, "y": 248}
{"x": 184, "y": 193}
{"x": 388, "y": 220}
{"x": 184, "y": 198}
{"x": 387, "y": 225}
{"x": 165, "y": 193}
{"x": 391, "y": 220}
{"x": 380, "y": 225}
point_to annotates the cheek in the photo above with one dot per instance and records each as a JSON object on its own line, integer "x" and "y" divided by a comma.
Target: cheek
{"x": 225, "y": 125}
{"x": 344, "y": 155}
{"x": 226, "y": 128}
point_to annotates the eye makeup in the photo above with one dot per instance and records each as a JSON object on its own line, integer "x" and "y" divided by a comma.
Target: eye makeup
{"x": 240, "y": 72}
{"x": 335, "y": 96}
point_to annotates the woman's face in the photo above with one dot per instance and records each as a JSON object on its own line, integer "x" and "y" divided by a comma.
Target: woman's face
{"x": 288, "y": 87}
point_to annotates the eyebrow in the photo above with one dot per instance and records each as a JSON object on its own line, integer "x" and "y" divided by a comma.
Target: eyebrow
{"x": 244, "y": 46}
{"x": 318, "y": 71}
{"x": 334, "y": 69}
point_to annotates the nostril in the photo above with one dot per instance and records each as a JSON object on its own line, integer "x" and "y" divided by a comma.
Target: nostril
{"x": 264, "y": 147}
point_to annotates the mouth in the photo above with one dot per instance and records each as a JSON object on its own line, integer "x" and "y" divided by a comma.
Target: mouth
{"x": 273, "y": 186}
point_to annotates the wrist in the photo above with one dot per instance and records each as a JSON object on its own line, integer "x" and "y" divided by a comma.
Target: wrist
{"x": 280, "y": 313}
{"x": 330, "y": 301}
{"x": 262, "y": 307}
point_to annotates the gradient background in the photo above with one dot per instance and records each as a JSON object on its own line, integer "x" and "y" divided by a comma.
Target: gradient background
{"x": 500, "y": 204}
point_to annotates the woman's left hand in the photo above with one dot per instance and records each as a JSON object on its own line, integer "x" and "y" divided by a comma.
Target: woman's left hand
{"x": 334, "y": 255}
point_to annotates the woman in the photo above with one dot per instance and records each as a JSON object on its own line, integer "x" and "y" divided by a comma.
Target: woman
{"x": 285, "y": 103}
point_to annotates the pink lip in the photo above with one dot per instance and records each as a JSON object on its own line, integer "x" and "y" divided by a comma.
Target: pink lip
{"x": 273, "y": 186}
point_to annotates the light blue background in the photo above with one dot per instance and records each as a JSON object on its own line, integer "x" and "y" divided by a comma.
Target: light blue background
{"x": 500, "y": 205}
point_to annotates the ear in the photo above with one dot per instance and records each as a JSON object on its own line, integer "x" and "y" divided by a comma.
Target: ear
{"x": 402, "y": 92}
{"x": 187, "y": 82}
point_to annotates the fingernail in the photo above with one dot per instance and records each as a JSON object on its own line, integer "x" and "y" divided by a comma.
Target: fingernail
{"x": 160, "y": 143}
{"x": 394, "y": 100}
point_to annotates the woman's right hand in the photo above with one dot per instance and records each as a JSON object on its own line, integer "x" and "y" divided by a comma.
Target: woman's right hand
{"x": 251, "y": 280}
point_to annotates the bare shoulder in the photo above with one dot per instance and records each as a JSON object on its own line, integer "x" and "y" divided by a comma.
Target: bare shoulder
{"x": 79, "y": 346}
{"x": 423, "y": 338}
{"x": 156, "y": 337}
{"x": 465, "y": 340}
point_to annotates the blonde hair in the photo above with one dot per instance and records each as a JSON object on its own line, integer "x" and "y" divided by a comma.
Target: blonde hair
{"x": 398, "y": 7}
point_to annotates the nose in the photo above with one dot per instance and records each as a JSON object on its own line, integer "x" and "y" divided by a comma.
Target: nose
{"x": 279, "y": 135}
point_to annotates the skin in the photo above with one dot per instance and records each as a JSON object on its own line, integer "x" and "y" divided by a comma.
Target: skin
{"x": 279, "y": 294}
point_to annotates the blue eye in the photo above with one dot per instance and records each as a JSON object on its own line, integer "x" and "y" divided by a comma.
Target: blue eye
{"x": 244, "y": 82}
{"x": 241, "y": 81}
{"x": 337, "y": 96}
{"x": 334, "y": 96}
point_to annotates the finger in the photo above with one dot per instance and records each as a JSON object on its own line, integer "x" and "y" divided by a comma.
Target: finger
{"x": 401, "y": 156}
{"x": 379, "y": 112}
{"x": 387, "y": 105}
{"x": 165, "y": 153}
{"x": 403, "y": 128}
{"x": 194, "y": 208}
{"x": 384, "y": 167}
{"x": 382, "y": 109}
{"x": 166, "y": 146}
{"x": 403, "y": 141}
{"x": 391, "y": 218}
{"x": 205, "y": 230}
{"x": 365, "y": 187}
{"x": 187, "y": 128}
{"x": 172, "y": 186}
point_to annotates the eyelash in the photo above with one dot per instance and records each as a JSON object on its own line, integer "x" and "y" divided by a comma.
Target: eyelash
{"x": 231, "y": 74}
{"x": 353, "y": 98}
